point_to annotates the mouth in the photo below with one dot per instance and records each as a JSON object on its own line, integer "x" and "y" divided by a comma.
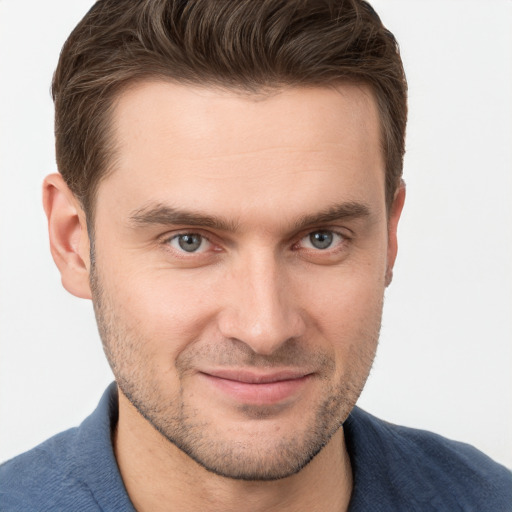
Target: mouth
{"x": 257, "y": 388}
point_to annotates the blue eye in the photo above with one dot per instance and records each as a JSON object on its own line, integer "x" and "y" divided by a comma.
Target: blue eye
{"x": 321, "y": 239}
{"x": 189, "y": 242}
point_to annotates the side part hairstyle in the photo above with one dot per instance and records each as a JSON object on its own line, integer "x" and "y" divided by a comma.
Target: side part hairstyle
{"x": 249, "y": 46}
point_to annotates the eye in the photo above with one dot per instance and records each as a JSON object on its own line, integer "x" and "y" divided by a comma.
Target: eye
{"x": 321, "y": 240}
{"x": 189, "y": 242}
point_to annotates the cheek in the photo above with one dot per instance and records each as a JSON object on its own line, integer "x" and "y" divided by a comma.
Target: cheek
{"x": 343, "y": 295}
{"x": 345, "y": 308}
{"x": 167, "y": 309}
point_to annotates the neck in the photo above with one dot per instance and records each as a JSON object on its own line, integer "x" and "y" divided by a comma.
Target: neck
{"x": 159, "y": 477}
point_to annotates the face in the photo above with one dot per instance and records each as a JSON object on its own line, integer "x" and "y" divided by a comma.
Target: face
{"x": 241, "y": 250}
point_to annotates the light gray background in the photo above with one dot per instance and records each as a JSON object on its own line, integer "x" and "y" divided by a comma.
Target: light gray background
{"x": 445, "y": 357}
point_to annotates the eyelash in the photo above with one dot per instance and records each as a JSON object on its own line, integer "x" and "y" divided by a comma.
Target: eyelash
{"x": 343, "y": 239}
{"x": 329, "y": 249}
{"x": 167, "y": 241}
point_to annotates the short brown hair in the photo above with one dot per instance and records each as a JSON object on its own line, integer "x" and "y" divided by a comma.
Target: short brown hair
{"x": 248, "y": 45}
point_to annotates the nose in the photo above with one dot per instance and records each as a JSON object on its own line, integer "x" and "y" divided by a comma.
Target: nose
{"x": 261, "y": 308}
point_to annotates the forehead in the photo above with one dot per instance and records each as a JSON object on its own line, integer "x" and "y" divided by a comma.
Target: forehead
{"x": 293, "y": 146}
{"x": 310, "y": 115}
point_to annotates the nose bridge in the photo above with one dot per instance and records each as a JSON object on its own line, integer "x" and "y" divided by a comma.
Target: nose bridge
{"x": 261, "y": 312}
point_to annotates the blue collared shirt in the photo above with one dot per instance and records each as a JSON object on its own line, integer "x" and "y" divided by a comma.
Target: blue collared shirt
{"x": 395, "y": 469}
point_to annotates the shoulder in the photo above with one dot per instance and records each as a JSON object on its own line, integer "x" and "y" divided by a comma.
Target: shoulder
{"x": 424, "y": 468}
{"x": 74, "y": 470}
{"x": 44, "y": 478}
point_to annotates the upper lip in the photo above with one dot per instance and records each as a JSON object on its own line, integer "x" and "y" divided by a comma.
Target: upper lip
{"x": 255, "y": 377}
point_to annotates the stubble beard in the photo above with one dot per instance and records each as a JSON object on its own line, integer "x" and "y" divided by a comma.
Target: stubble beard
{"x": 183, "y": 425}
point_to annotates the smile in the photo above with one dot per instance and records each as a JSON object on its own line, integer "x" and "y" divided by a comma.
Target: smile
{"x": 257, "y": 389}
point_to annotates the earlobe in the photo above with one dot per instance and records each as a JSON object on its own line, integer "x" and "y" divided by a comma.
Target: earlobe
{"x": 69, "y": 241}
{"x": 394, "y": 217}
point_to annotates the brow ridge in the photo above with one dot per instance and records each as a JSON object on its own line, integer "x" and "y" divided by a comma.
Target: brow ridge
{"x": 161, "y": 214}
{"x": 346, "y": 210}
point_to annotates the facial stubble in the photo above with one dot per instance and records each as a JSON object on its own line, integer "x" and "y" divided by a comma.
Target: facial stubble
{"x": 261, "y": 456}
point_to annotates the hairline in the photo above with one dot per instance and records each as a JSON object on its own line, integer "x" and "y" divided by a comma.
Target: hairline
{"x": 254, "y": 91}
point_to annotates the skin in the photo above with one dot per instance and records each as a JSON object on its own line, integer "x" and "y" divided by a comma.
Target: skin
{"x": 249, "y": 352}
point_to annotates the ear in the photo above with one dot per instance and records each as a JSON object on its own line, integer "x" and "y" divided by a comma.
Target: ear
{"x": 69, "y": 240}
{"x": 394, "y": 216}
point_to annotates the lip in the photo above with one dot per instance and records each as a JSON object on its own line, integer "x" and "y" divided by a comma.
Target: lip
{"x": 257, "y": 388}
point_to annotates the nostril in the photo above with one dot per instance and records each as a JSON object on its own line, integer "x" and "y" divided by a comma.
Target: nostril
{"x": 263, "y": 329}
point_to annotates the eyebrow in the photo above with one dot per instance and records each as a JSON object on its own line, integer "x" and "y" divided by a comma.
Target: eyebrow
{"x": 343, "y": 211}
{"x": 161, "y": 214}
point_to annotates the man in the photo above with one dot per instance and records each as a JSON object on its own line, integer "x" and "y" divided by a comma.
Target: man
{"x": 229, "y": 194}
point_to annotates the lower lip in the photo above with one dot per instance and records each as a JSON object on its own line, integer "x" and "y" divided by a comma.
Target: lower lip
{"x": 266, "y": 393}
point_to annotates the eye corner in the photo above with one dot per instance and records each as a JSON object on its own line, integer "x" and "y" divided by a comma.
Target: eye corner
{"x": 188, "y": 242}
{"x": 320, "y": 240}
